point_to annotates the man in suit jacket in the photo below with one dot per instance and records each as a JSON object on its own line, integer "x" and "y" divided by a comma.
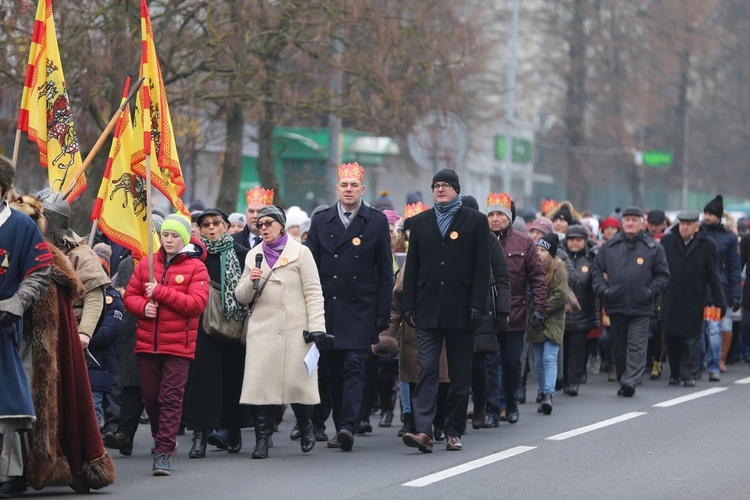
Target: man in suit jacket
{"x": 256, "y": 198}
{"x": 446, "y": 284}
{"x": 351, "y": 244}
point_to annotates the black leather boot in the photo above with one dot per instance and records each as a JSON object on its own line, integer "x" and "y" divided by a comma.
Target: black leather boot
{"x": 198, "y": 449}
{"x": 263, "y": 415}
{"x": 408, "y": 425}
{"x": 307, "y": 431}
{"x": 234, "y": 444}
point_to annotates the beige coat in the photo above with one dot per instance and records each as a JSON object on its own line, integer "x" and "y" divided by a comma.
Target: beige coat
{"x": 291, "y": 302}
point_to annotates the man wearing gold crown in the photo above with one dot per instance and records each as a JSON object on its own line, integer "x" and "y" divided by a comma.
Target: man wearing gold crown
{"x": 256, "y": 198}
{"x": 446, "y": 285}
{"x": 351, "y": 244}
{"x": 526, "y": 272}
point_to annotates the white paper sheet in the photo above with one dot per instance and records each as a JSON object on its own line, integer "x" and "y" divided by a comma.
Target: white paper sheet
{"x": 311, "y": 360}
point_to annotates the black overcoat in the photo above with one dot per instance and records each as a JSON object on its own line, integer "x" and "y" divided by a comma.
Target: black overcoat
{"x": 356, "y": 272}
{"x": 692, "y": 270}
{"x": 446, "y": 276}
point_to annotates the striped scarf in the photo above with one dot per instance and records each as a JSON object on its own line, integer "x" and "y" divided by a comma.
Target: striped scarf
{"x": 445, "y": 212}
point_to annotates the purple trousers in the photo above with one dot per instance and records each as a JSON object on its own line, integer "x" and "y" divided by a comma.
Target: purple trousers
{"x": 163, "y": 379}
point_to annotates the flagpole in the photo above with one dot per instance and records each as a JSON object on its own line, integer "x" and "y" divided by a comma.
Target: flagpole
{"x": 16, "y": 148}
{"x": 149, "y": 221}
{"x": 103, "y": 137}
{"x": 93, "y": 232}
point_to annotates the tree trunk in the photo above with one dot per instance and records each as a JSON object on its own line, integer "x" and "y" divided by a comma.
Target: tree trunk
{"x": 231, "y": 168}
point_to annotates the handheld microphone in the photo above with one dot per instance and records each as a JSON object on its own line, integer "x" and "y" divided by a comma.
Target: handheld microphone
{"x": 258, "y": 261}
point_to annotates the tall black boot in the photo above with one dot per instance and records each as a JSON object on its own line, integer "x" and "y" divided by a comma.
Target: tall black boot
{"x": 408, "y": 424}
{"x": 198, "y": 449}
{"x": 264, "y": 416}
{"x": 307, "y": 434}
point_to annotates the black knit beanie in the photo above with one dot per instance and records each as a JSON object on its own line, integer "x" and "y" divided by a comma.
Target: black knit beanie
{"x": 449, "y": 176}
{"x": 549, "y": 242}
{"x": 715, "y": 207}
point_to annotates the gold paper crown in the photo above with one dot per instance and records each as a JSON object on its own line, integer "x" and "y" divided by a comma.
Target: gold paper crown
{"x": 414, "y": 209}
{"x": 259, "y": 195}
{"x": 548, "y": 205}
{"x": 498, "y": 199}
{"x": 351, "y": 170}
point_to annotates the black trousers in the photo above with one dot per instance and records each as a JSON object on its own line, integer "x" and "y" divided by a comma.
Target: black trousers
{"x": 479, "y": 380}
{"x": 322, "y": 410}
{"x": 510, "y": 346}
{"x": 386, "y": 383}
{"x": 347, "y": 372}
{"x": 574, "y": 358}
{"x": 630, "y": 343}
{"x": 684, "y": 356}
{"x": 131, "y": 407}
{"x": 369, "y": 391}
{"x": 459, "y": 347}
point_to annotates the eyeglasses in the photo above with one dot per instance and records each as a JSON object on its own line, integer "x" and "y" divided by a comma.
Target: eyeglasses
{"x": 441, "y": 186}
{"x": 268, "y": 224}
{"x": 209, "y": 223}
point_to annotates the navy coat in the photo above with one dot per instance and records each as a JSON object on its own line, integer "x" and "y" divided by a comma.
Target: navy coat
{"x": 356, "y": 272}
{"x": 103, "y": 345}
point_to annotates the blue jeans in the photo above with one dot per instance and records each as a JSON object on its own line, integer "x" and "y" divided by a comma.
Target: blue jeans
{"x": 403, "y": 392}
{"x": 98, "y": 399}
{"x": 712, "y": 331}
{"x": 546, "y": 365}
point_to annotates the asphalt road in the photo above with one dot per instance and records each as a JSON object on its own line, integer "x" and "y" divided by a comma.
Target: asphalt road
{"x": 596, "y": 445}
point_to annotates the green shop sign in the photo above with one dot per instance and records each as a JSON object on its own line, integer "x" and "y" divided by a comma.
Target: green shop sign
{"x": 523, "y": 149}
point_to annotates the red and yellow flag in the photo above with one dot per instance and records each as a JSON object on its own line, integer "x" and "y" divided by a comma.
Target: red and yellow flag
{"x": 153, "y": 124}
{"x": 121, "y": 203}
{"x": 45, "y": 108}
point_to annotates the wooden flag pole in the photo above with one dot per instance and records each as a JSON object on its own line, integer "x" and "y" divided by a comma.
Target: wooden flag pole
{"x": 16, "y": 148}
{"x": 94, "y": 225}
{"x": 103, "y": 137}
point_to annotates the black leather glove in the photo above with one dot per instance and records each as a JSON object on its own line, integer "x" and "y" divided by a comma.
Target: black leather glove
{"x": 410, "y": 318}
{"x": 736, "y": 304}
{"x": 502, "y": 323}
{"x": 476, "y": 317}
{"x": 323, "y": 340}
{"x": 537, "y": 320}
{"x": 7, "y": 318}
{"x": 382, "y": 324}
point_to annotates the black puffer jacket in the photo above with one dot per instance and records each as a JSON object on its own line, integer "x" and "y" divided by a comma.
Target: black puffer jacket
{"x": 583, "y": 262}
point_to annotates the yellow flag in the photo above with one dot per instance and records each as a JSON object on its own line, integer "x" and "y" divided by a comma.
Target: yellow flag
{"x": 153, "y": 124}
{"x": 45, "y": 108}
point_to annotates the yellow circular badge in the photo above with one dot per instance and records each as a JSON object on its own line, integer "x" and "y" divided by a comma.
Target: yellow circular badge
{"x": 108, "y": 299}
{"x": 356, "y": 242}
{"x": 639, "y": 261}
{"x": 179, "y": 278}
{"x": 283, "y": 261}
{"x": 454, "y": 235}
{"x": 585, "y": 269}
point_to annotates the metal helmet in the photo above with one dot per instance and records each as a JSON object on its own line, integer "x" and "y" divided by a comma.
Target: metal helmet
{"x": 56, "y": 211}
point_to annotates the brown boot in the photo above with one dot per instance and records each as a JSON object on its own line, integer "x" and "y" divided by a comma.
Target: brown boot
{"x": 726, "y": 342}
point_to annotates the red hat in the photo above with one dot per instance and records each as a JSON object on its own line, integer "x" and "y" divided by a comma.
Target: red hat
{"x": 610, "y": 222}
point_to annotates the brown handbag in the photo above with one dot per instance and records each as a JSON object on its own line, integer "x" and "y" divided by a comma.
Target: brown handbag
{"x": 214, "y": 324}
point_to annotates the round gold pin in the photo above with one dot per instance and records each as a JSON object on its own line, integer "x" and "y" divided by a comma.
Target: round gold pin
{"x": 356, "y": 242}
{"x": 283, "y": 261}
{"x": 454, "y": 235}
{"x": 585, "y": 269}
{"x": 639, "y": 261}
{"x": 108, "y": 299}
{"x": 179, "y": 278}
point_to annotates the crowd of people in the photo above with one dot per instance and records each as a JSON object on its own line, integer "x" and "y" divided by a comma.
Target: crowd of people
{"x": 352, "y": 309}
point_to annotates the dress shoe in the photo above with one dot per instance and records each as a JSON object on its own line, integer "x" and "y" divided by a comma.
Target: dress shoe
{"x": 628, "y": 390}
{"x": 513, "y": 414}
{"x": 386, "y": 419}
{"x": 364, "y": 427}
{"x": 573, "y": 390}
{"x": 438, "y": 434}
{"x": 294, "y": 435}
{"x": 334, "y": 444}
{"x": 218, "y": 438}
{"x": 320, "y": 435}
{"x": 119, "y": 441}
{"x": 690, "y": 382}
{"x": 477, "y": 419}
{"x": 307, "y": 439}
{"x": 13, "y": 488}
{"x": 420, "y": 440}
{"x": 453, "y": 443}
{"x": 491, "y": 421}
{"x": 546, "y": 405}
{"x": 198, "y": 450}
{"x": 714, "y": 377}
{"x": 234, "y": 445}
{"x": 345, "y": 439}
{"x": 674, "y": 381}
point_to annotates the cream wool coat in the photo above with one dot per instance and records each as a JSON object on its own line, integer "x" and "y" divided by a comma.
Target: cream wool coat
{"x": 291, "y": 302}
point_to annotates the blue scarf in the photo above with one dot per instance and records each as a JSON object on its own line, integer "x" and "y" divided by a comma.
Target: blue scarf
{"x": 445, "y": 212}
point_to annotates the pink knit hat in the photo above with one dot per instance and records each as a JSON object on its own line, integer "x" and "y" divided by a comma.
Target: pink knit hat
{"x": 542, "y": 224}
